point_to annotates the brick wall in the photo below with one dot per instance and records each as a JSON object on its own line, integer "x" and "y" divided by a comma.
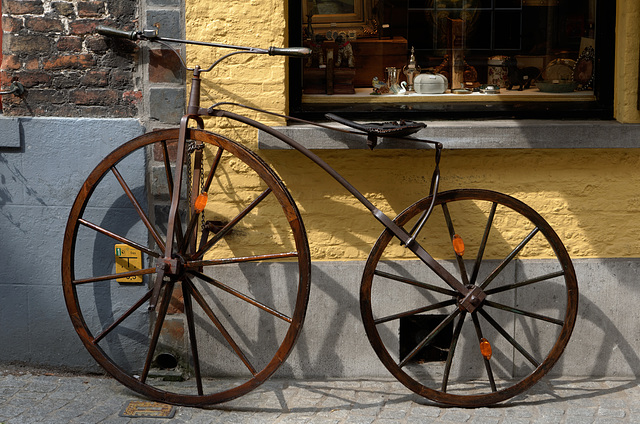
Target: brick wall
{"x": 67, "y": 70}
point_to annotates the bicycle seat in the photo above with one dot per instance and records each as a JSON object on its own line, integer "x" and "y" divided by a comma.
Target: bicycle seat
{"x": 380, "y": 129}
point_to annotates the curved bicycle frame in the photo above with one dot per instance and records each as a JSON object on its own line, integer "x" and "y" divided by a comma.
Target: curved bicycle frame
{"x": 471, "y": 297}
{"x": 466, "y": 295}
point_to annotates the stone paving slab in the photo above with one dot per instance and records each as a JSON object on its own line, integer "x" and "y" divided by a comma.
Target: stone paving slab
{"x": 37, "y": 397}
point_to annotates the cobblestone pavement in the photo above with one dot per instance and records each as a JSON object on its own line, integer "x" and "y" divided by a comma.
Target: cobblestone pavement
{"x": 41, "y": 397}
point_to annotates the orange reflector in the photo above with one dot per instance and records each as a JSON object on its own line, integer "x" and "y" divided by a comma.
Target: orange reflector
{"x": 485, "y": 348}
{"x": 458, "y": 245}
{"x": 201, "y": 202}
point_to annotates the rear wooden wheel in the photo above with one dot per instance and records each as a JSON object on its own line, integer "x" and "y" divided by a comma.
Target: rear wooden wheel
{"x": 232, "y": 306}
{"x": 523, "y": 314}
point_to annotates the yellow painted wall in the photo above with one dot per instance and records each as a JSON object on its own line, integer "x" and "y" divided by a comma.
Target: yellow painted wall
{"x": 627, "y": 60}
{"x": 591, "y": 197}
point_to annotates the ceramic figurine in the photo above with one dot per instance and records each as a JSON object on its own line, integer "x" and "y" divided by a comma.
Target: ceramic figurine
{"x": 345, "y": 52}
{"x": 520, "y": 77}
{"x": 316, "y": 59}
{"x": 379, "y": 87}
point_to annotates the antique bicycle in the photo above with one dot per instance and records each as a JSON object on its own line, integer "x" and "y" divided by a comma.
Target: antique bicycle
{"x": 186, "y": 268}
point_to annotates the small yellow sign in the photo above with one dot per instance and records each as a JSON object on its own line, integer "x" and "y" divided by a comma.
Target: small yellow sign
{"x": 128, "y": 259}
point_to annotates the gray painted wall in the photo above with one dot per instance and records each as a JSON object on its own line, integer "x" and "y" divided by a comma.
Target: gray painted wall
{"x": 39, "y": 180}
{"x": 41, "y": 176}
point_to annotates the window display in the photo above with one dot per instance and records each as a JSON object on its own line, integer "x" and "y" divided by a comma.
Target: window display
{"x": 525, "y": 50}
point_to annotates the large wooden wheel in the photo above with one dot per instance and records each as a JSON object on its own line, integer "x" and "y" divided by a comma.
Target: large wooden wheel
{"x": 517, "y": 324}
{"x": 232, "y": 303}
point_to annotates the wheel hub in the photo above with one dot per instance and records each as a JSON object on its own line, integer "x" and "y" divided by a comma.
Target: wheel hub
{"x": 173, "y": 267}
{"x": 473, "y": 299}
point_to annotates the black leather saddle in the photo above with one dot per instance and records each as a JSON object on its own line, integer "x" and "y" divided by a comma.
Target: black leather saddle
{"x": 374, "y": 130}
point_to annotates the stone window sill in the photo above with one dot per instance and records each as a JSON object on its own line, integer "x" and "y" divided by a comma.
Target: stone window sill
{"x": 478, "y": 134}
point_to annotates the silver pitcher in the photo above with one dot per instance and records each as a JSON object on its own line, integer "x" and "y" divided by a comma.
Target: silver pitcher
{"x": 393, "y": 76}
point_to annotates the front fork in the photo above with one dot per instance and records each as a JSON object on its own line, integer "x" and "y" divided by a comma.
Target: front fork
{"x": 170, "y": 265}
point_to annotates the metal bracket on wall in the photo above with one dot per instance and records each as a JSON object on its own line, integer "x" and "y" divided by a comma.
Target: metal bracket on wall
{"x": 15, "y": 88}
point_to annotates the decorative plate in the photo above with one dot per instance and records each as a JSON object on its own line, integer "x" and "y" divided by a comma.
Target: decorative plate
{"x": 583, "y": 72}
{"x": 560, "y": 70}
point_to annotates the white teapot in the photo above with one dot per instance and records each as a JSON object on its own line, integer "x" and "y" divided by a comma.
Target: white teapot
{"x": 430, "y": 84}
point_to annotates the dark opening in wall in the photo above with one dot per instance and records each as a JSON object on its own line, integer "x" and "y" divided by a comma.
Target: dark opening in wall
{"x": 415, "y": 329}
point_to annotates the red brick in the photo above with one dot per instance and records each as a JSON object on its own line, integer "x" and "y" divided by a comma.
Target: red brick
{"x": 40, "y": 24}
{"x": 63, "y": 8}
{"x": 69, "y": 61}
{"x": 69, "y": 44}
{"x": 82, "y": 27}
{"x": 90, "y": 9}
{"x": 32, "y": 78}
{"x": 38, "y": 96}
{"x": 96, "y": 79}
{"x": 23, "y": 7}
{"x": 96, "y": 44}
{"x": 5, "y": 78}
{"x": 132, "y": 97}
{"x": 32, "y": 64}
{"x": 94, "y": 97}
{"x": 27, "y": 44}
{"x": 11, "y": 24}
{"x": 10, "y": 61}
{"x": 120, "y": 79}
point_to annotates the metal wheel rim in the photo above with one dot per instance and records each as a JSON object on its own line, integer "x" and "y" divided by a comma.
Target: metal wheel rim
{"x": 500, "y": 395}
{"x": 303, "y": 286}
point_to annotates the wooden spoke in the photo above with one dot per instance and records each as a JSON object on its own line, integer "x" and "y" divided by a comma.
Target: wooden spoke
{"x": 416, "y": 283}
{"x": 214, "y": 319}
{"x": 509, "y": 257}
{"x": 510, "y": 339}
{"x": 119, "y": 238}
{"x": 225, "y": 261}
{"x": 452, "y": 350}
{"x": 433, "y": 307}
{"x": 487, "y": 364}
{"x": 241, "y": 296}
{"x": 452, "y": 233}
{"x": 483, "y": 243}
{"x": 157, "y": 327}
{"x": 138, "y": 208}
{"x": 188, "y": 311}
{"x": 139, "y": 272}
{"x": 117, "y": 322}
{"x": 525, "y": 283}
{"x": 522, "y": 312}
{"x": 220, "y": 234}
{"x": 212, "y": 171}
{"x": 429, "y": 337}
{"x": 169, "y": 176}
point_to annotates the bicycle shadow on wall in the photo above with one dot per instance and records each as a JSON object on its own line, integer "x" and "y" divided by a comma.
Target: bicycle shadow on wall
{"x": 531, "y": 332}
{"x": 348, "y": 306}
{"x": 108, "y": 301}
{"x": 590, "y": 197}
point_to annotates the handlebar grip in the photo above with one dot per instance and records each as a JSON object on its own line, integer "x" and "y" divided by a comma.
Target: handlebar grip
{"x": 117, "y": 33}
{"x": 289, "y": 51}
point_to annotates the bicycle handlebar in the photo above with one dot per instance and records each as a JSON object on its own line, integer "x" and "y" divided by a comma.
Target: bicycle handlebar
{"x": 117, "y": 33}
{"x": 289, "y": 51}
{"x": 152, "y": 35}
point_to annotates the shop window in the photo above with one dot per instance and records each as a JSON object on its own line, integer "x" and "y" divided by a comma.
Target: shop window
{"x": 521, "y": 58}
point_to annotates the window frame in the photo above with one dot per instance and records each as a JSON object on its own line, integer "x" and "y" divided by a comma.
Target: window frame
{"x": 601, "y": 108}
